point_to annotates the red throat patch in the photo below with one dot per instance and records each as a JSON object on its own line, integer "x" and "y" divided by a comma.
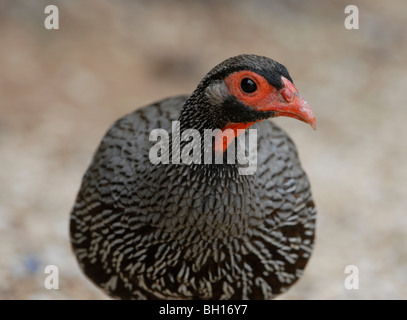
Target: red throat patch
{"x": 228, "y": 133}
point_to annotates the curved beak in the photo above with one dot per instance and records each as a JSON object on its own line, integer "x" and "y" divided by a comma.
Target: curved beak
{"x": 294, "y": 105}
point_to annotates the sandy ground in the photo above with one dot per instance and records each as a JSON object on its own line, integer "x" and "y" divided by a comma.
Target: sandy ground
{"x": 61, "y": 89}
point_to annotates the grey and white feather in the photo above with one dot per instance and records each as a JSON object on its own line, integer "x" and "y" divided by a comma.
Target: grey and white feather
{"x": 174, "y": 231}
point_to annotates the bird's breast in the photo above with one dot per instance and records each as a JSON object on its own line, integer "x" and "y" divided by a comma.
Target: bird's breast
{"x": 196, "y": 205}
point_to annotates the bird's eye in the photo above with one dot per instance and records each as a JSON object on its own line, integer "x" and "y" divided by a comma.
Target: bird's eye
{"x": 248, "y": 85}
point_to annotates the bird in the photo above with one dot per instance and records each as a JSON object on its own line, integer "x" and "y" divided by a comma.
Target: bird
{"x": 201, "y": 231}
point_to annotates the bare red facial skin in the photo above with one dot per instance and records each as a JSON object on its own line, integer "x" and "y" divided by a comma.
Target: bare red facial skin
{"x": 284, "y": 102}
{"x": 259, "y": 99}
{"x": 289, "y": 91}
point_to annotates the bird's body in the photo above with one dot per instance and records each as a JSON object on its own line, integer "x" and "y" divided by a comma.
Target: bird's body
{"x": 198, "y": 231}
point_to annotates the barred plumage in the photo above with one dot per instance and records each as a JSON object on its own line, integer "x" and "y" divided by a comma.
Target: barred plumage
{"x": 197, "y": 231}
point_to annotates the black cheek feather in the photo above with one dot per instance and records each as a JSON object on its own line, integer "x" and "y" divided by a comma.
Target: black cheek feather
{"x": 238, "y": 112}
{"x": 275, "y": 78}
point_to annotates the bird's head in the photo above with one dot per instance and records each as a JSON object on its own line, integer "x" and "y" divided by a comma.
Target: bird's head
{"x": 246, "y": 89}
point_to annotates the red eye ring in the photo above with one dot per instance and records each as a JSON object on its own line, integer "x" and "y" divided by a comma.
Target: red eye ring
{"x": 256, "y": 99}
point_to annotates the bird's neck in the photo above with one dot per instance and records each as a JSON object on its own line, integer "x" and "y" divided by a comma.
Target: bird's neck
{"x": 199, "y": 113}
{"x": 221, "y": 193}
{"x": 198, "y": 125}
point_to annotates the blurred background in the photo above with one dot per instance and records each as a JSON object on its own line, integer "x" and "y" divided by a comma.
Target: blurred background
{"x": 61, "y": 89}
